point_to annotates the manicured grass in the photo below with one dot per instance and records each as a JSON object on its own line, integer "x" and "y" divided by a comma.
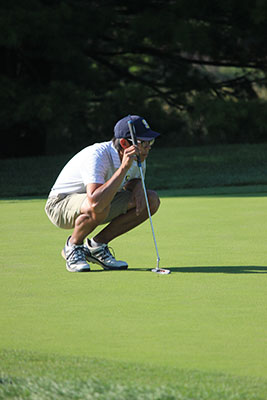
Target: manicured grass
{"x": 197, "y": 333}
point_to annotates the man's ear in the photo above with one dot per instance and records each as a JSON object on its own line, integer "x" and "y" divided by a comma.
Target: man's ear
{"x": 124, "y": 143}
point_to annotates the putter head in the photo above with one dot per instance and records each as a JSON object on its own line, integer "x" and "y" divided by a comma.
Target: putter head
{"x": 161, "y": 271}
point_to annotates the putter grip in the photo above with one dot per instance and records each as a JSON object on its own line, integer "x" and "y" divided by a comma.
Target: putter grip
{"x": 133, "y": 137}
{"x": 132, "y": 132}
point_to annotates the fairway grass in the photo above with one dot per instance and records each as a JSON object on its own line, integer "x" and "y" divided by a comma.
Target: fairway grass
{"x": 197, "y": 333}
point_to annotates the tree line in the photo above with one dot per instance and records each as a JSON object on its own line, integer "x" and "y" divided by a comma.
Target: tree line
{"x": 70, "y": 69}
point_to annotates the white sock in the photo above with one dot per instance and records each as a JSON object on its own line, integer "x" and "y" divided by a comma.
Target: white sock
{"x": 94, "y": 243}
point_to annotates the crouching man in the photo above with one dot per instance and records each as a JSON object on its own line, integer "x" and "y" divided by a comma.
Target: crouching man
{"x": 101, "y": 185}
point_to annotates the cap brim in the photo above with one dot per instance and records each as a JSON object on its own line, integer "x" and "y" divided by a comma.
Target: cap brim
{"x": 150, "y": 135}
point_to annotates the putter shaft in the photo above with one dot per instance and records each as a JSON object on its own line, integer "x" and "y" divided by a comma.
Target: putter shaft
{"x": 149, "y": 214}
{"x": 134, "y": 140}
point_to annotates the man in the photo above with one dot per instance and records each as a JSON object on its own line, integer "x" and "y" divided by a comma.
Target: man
{"x": 99, "y": 185}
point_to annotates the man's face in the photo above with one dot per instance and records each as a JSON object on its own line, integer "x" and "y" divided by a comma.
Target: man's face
{"x": 144, "y": 147}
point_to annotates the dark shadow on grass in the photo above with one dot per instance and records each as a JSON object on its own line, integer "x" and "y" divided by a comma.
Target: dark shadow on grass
{"x": 244, "y": 269}
{"x": 220, "y": 191}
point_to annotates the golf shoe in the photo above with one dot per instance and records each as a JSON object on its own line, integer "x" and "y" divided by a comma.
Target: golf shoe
{"x": 101, "y": 255}
{"x": 75, "y": 257}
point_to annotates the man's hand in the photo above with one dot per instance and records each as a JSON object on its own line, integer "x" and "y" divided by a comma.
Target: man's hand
{"x": 137, "y": 200}
{"x": 139, "y": 197}
{"x": 129, "y": 155}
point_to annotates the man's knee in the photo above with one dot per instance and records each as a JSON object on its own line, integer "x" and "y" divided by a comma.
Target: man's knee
{"x": 99, "y": 217}
{"x": 89, "y": 215}
{"x": 154, "y": 201}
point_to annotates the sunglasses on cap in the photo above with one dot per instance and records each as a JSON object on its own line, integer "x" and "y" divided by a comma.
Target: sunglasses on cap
{"x": 144, "y": 143}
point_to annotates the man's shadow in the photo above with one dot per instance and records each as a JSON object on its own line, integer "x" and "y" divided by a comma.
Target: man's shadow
{"x": 244, "y": 269}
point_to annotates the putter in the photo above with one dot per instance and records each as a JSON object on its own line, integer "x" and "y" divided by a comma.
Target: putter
{"x": 158, "y": 270}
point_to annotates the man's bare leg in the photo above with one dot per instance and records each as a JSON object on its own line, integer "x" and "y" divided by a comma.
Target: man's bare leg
{"x": 86, "y": 223}
{"x": 125, "y": 222}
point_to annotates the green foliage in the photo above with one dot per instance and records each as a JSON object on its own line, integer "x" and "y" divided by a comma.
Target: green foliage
{"x": 70, "y": 69}
{"x": 220, "y": 121}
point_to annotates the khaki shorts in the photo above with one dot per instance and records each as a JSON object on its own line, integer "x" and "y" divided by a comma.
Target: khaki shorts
{"x": 62, "y": 210}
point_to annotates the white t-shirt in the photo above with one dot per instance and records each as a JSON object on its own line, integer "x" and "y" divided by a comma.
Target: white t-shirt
{"x": 94, "y": 164}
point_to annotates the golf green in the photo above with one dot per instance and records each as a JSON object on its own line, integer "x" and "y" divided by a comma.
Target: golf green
{"x": 208, "y": 315}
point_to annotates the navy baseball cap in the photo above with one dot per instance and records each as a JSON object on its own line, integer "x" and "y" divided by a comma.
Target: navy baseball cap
{"x": 142, "y": 129}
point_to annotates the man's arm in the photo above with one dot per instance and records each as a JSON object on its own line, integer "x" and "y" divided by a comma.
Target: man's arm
{"x": 101, "y": 195}
{"x": 138, "y": 200}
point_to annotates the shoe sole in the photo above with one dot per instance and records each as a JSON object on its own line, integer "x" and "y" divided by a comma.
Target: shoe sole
{"x": 105, "y": 267}
{"x": 74, "y": 270}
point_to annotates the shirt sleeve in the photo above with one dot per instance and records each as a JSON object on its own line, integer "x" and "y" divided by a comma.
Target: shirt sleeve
{"x": 94, "y": 167}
